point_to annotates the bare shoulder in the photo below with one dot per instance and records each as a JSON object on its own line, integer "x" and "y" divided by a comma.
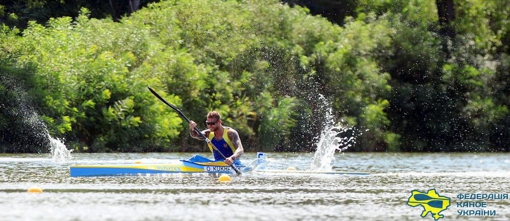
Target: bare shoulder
{"x": 232, "y": 132}
{"x": 236, "y": 140}
{"x": 233, "y": 135}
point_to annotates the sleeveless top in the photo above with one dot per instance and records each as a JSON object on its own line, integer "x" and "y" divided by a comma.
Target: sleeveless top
{"x": 225, "y": 145}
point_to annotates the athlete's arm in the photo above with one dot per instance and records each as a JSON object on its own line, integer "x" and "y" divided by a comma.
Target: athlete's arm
{"x": 193, "y": 133}
{"x": 234, "y": 137}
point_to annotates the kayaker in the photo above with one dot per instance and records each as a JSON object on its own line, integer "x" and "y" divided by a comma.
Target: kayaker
{"x": 226, "y": 139}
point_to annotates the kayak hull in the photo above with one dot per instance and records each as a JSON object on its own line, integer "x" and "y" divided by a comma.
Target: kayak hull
{"x": 181, "y": 166}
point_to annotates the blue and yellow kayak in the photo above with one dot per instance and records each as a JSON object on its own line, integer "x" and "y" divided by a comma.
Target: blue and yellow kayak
{"x": 175, "y": 166}
{"x": 196, "y": 164}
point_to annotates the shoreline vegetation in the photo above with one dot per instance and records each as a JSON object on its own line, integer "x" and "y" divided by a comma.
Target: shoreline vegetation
{"x": 401, "y": 75}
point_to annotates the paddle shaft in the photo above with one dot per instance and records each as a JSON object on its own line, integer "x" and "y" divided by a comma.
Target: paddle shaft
{"x": 196, "y": 129}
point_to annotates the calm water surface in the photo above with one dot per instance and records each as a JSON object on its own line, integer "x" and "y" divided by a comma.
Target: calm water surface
{"x": 382, "y": 195}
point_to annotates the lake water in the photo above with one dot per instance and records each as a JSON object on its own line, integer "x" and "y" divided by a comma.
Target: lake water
{"x": 382, "y": 195}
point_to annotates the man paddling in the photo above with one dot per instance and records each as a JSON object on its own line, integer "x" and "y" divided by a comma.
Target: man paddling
{"x": 225, "y": 139}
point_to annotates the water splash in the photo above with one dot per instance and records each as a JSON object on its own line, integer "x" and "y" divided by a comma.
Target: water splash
{"x": 332, "y": 139}
{"x": 59, "y": 152}
{"x": 329, "y": 143}
{"x": 31, "y": 129}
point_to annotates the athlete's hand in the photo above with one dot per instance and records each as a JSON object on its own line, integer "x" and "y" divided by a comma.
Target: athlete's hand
{"x": 192, "y": 125}
{"x": 229, "y": 161}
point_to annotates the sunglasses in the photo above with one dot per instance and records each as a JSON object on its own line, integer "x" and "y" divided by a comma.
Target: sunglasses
{"x": 211, "y": 123}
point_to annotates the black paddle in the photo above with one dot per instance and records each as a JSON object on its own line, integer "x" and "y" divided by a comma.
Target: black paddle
{"x": 196, "y": 129}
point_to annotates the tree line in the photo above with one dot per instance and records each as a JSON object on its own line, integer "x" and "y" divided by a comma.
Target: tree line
{"x": 405, "y": 75}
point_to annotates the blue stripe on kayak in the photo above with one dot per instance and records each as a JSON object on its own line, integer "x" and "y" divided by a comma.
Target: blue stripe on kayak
{"x": 75, "y": 172}
{"x": 120, "y": 170}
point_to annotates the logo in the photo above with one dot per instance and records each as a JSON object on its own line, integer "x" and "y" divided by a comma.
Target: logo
{"x": 431, "y": 202}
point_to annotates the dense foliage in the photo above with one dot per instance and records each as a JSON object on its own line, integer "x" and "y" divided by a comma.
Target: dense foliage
{"x": 273, "y": 72}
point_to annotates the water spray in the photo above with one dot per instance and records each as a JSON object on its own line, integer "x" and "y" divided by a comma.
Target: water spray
{"x": 332, "y": 139}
